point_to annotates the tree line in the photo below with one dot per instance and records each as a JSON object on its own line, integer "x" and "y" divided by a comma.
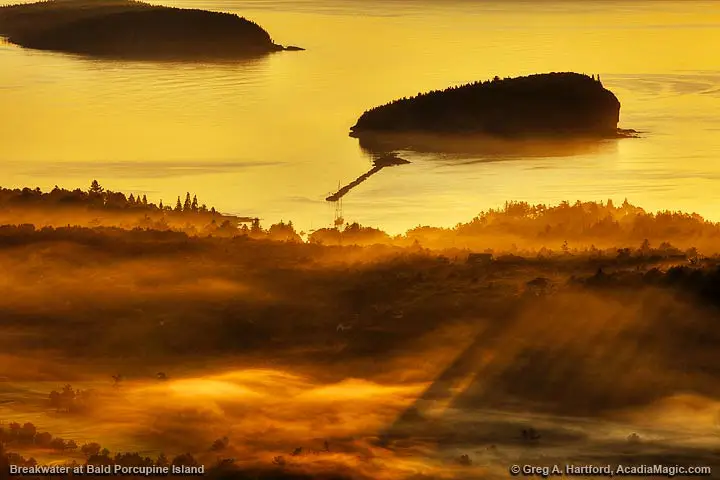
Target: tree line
{"x": 580, "y": 225}
{"x": 133, "y": 29}
{"x": 70, "y": 400}
{"x": 96, "y": 196}
{"x": 146, "y": 230}
{"x": 703, "y": 283}
{"x": 541, "y": 103}
{"x": 28, "y": 435}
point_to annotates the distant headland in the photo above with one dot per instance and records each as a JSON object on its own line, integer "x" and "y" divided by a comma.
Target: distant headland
{"x": 134, "y": 30}
{"x": 566, "y": 105}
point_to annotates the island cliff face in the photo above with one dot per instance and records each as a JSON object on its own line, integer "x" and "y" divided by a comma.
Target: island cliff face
{"x": 134, "y": 30}
{"x": 565, "y": 104}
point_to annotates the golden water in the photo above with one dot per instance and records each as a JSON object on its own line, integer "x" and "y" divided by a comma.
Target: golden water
{"x": 270, "y": 137}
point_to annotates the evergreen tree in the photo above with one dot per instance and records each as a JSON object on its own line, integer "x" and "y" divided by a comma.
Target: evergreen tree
{"x": 645, "y": 247}
{"x": 131, "y": 199}
{"x": 144, "y": 200}
{"x": 187, "y": 206}
{"x": 161, "y": 206}
{"x": 96, "y": 188}
{"x": 255, "y": 228}
{"x": 565, "y": 248}
{"x": 178, "y": 205}
{"x": 194, "y": 205}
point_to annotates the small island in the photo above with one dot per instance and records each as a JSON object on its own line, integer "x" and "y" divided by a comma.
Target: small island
{"x": 566, "y": 105}
{"x": 129, "y": 29}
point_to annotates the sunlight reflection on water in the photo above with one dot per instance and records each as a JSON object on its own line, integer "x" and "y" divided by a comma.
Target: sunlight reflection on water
{"x": 265, "y": 133}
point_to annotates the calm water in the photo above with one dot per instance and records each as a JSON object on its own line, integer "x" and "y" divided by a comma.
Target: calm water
{"x": 269, "y": 138}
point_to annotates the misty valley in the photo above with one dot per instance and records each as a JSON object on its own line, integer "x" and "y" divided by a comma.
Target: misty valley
{"x": 142, "y": 336}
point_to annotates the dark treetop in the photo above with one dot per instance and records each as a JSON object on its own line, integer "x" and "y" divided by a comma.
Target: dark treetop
{"x": 567, "y": 104}
{"x": 134, "y": 30}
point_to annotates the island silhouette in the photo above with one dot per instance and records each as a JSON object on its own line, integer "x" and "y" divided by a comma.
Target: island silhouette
{"x": 134, "y": 30}
{"x": 548, "y": 106}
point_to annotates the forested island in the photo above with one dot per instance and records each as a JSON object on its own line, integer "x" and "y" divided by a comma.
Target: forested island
{"x": 133, "y": 30}
{"x": 566, "y": 105}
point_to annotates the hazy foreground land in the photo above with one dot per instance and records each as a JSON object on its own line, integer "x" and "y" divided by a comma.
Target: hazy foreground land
{"x": 141, "y": 335}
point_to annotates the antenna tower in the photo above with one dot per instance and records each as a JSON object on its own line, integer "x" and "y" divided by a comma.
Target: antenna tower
{"x": 339, "y": 220}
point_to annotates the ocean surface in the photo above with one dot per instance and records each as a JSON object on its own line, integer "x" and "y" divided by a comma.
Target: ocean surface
{"x": 269, "y": 138}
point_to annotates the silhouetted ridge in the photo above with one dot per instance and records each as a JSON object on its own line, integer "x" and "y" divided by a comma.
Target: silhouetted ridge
{"x": 542, "y": 104}
{"x": 129, "y": 29}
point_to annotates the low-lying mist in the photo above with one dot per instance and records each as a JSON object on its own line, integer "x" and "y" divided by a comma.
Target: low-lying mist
{"x": 278, "y": 359}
